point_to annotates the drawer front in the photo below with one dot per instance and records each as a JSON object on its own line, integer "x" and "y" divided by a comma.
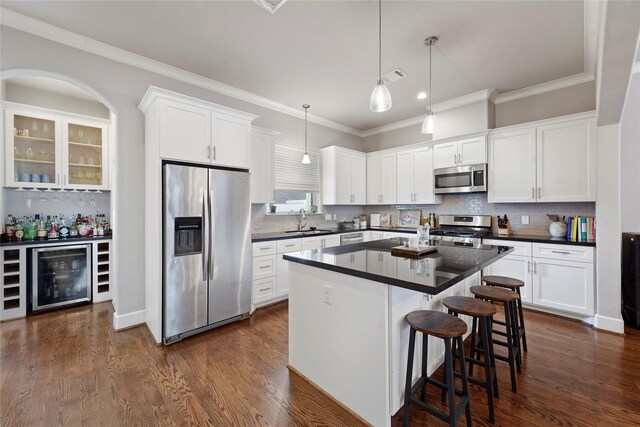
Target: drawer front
{"x": 264, "y": 248}
{"x": 519, "y": 248}
{"x": 264, "y": 289}
{"x": 264, "y": 266}
{"x": 563, "y": 252}
{"x": 289, "y": 245}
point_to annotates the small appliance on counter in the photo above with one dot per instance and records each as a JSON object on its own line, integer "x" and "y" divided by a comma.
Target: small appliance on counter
{"x": 374, "y": 220}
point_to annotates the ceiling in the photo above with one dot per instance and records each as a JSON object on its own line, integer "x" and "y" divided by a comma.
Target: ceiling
{"x": 324, "y": 53}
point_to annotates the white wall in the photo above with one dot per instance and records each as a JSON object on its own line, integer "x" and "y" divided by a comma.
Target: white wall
{"x": 608, "y": 315}
{"x": 123, "y": 87}
{"x": 630, "y": 159}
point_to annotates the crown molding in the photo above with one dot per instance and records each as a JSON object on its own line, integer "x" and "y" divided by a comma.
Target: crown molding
{"x": 562, "y": 83}
{"x": 86, "y": 44}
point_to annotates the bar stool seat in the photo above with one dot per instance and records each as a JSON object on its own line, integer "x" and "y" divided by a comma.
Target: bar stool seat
{"x": 514, "y": 285}
{"x": 482, "y": 312}
{"x": 448, "y": 328}
{"x": 509, "y": 300}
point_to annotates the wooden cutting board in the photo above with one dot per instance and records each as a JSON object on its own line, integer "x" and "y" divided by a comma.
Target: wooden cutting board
{"x": 407, "y": 252}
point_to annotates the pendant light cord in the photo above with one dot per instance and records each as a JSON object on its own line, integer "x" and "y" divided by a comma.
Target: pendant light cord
{"x": 305, "y": 129}
{"x": 379, "y": 41}
{"x": 430, "y": 74}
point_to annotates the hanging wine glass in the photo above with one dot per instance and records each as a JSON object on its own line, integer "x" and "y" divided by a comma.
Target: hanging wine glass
{"x": 45, "y": 130}
{"x": 80, "y": 135}
{"x": 34, "y": 128}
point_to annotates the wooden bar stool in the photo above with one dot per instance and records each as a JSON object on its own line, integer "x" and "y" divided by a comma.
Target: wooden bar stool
{"x": 513, "y": 285}
{"x": 482, "y": 312}
{"x": 449, "y": 328}
{"x": 508, "y": 299}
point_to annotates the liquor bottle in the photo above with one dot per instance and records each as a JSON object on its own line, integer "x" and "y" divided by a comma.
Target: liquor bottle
{"x": 47, "y": 224}
{"x": 78, "y": 221}
{"x": 64, "y": 230}
{"x": 10, "y": 228}
{"x": 41, "y": 231}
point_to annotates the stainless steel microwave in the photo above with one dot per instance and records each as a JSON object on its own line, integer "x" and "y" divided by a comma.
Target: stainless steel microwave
{"x": 461, "y": 179}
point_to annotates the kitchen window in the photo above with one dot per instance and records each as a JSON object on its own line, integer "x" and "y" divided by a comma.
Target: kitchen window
{"x": 297, "y": 185}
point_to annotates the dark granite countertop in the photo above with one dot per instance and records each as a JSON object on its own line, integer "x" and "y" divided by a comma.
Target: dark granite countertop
{"x": 281, "y": 235}
{"x": 67, "y": 241}
{"x": 431, "y": 274}
{"x": 540, "y": 239}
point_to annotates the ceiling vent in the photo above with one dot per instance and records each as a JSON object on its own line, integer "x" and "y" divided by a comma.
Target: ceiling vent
{"x": 393, "y": 76}
{"x": 270, "y": 5}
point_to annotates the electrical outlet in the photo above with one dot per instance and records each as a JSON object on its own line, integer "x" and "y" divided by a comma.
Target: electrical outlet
{"x": 327, "y": 217}
{"x": 328, "y": 294}
{"x": 525, "y": 219}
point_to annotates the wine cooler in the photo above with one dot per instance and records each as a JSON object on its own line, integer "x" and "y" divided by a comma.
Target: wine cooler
{"x": 61, "y": 275}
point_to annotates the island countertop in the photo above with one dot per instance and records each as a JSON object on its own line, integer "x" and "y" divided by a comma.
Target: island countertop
{"x": 430, "y": 274}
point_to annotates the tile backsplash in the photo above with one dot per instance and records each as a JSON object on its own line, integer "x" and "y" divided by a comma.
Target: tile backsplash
{"x": 474, "y": 204}
{"x": 263, "y": 223}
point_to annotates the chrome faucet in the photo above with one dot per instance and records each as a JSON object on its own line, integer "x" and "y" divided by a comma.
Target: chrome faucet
{"x": 303, "y": 215}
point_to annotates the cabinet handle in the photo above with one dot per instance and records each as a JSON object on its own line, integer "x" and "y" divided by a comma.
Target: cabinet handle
{"x": 538, "y": 192}
{"x": 264, "y": 289}
{"x": 58, "y": 179}
{"x": 214, "y": 152}
{"x": 528, "y": 266}
{"x": 289, "y": 246}
{"x": 562, "y": 252}
{"x": 455, "y": 160}
{"x": 262, "y": 267}
{"x": 265, "y": 249}
{"x": 535, "y": 267}
{"x": 208, "y": 151}
{"x": 65, "y": 179}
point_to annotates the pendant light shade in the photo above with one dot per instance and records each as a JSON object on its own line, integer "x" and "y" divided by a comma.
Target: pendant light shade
{"x": 429, "y": 123}
{"x": 380, "y": 100}
{"x": 305, "y": 158}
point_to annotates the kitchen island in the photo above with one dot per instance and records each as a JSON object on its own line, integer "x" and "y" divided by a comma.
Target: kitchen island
{"x": 347, "y": 308}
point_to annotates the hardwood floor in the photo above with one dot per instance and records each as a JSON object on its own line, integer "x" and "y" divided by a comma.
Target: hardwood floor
{"x": 70, "y": 368}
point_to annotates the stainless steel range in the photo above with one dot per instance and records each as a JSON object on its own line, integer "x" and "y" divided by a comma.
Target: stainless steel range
{"x": 465, "y": 229}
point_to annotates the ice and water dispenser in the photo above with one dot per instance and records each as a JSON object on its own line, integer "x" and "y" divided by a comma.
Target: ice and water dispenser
{"x": 188, "y": 236}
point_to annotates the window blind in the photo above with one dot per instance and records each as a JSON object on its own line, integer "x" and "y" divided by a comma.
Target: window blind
{"x": 291, "y": 174}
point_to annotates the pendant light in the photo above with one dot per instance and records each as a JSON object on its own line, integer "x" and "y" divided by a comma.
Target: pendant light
{"x": 380, "y": 97}
{"x": 429, "y": 123}
{"x": 305, "y": 158}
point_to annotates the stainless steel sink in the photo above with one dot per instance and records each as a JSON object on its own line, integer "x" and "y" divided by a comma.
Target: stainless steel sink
{"x": 317, "y": 231}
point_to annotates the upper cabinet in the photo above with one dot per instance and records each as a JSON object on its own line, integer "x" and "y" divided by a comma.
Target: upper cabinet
{"x": 194, "y": 130}
{"x": 469, "y": 151}
{"x": 48, "y": 150}
{"x": 552, "y": 162}
{"x": 381, "y": 178}
{"x": 262, "y": 164}
{"x": 344, "y": 176}
{"x": 415, "y": 176}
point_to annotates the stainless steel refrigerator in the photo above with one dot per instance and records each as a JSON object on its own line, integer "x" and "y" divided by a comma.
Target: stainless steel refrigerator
{"x": 207, "y": 249}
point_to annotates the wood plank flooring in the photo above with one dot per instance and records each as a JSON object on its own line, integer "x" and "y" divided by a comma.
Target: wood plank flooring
{"x": 70, "y": 368}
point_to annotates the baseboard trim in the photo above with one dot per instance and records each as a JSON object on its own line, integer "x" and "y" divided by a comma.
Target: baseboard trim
{"x": 610, "y": 324}
{"x": 129, "y": 320}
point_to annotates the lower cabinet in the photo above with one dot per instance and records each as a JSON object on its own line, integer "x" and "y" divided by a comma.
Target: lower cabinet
{"x": 558, "y": 277}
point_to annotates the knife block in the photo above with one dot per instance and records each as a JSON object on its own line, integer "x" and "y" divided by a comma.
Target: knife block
{"x": 507, "y": 231}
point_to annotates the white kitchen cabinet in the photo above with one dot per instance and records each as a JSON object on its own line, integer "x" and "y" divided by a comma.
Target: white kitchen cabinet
{"x": 564, "y": 285}
{"x": 344, "y": 176}
{"x": 262, "y": 165}
{"x": 381, "y": 178}
{"x": 566, "y": 161}
{"x": 415, "y": 176}
{"x": 559, "y": 277}
{"x": 54, "y": 150}
{"x": 264, "y": 273}
{"x": 102, "y": 272}
{"x": 374, "y": 235}
{"x": 190, "y": 129}
{"x": 381, "y": 263}
{"x": 355, "y": 260}
{"x": 282, "y": 282}
{"x": 319, "y": 242}
{"x": 551, "y": 162}
{"x": 468, "y": 151}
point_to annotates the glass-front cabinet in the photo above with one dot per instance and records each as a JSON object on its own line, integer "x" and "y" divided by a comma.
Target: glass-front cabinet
{"x": 85, "y": 151}
{"x": 51, "y": 151}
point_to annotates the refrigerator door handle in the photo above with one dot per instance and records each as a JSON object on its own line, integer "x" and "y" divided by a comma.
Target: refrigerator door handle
{"x": 205, "y": 247}
{"x": 212, "y": 231}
